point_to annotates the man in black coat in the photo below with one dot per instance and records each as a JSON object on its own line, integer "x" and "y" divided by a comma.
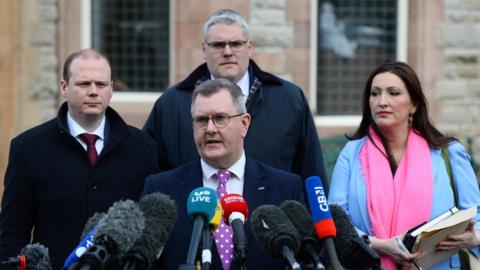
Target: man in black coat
{"x": 221, "y": 122}
{"x": 282, "y": 133}
{"x": 52, "y": 186}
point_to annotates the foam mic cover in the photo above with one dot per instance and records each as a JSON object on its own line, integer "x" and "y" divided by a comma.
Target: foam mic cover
{"x": 273, "y": 230}
{"x": 301, "y": 219}
{"x": 201, "y": 207}
{"x": 202, "y": 202}
{"x": 122, "y": 226}
{"x": 91, "y": 224}
{"x": 322, "y": 218}
{"x": 216, "y": 219}
{"x": 352, "y": 251}
{"x": 235, "y": 213}
{"x": 86, "y": 239}
{"x": 32, "y": 257}
{"x": 234, "y": 203}
{"x": 160, "y": 216}
{"x": 37, "y": 257}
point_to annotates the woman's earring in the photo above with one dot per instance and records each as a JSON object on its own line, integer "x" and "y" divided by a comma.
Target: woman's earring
{"x": 410, "y": 120}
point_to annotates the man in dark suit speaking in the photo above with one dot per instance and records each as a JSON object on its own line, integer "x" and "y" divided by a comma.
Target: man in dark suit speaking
{"x": 220, "y": 123}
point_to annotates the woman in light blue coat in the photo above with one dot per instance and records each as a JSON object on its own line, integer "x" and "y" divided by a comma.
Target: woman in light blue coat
{"x": 391, "y": 176}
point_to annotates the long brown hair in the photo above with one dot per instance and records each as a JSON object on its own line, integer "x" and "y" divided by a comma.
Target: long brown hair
{"x": 421, "y": 121}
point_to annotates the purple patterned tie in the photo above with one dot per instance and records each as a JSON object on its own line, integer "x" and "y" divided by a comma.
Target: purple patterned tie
{"x": 223, "y": 235}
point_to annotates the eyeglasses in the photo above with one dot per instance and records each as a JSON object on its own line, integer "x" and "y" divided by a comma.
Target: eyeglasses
{"x": 220, "y": 120}
{"x": 235, "y": 45}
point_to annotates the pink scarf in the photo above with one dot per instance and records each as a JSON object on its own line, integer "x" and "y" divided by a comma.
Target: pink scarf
{"x": 397, "y": 203}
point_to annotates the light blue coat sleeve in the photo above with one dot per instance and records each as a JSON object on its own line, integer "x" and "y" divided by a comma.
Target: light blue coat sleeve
{"x": 348, "y": 189}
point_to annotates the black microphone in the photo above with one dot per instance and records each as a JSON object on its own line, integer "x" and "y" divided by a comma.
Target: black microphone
{"x": 115, "y": 234}
{"x": 32, "y": 257}
{"x": 160, "y": 215}
{"x": 301, "y": 219}
{"x": 86, "y": 240}
{"x": 92, "y": 223}
{"x": 275, "y": 234}
{"x": 352, "y": 251}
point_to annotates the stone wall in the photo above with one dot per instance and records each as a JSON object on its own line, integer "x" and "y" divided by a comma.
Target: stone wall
{"x": 458, "y": 90}
{"x": 28, "y": 67}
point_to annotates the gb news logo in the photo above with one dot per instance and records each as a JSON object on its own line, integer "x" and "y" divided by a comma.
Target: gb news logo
{"x": 202, "y": 196}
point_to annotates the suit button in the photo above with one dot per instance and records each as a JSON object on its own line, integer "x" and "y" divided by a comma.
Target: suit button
{"x": 92, "y": 186}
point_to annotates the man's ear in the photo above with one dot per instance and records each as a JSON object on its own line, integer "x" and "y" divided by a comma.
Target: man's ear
{"x": 204, "y": 52}
{"x": 246, "y": 119}
{"x": 63, "y": 88}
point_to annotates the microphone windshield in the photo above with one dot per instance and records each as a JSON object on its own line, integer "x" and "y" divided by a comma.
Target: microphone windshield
{"x": 202, "y": 201}
{"x": 301, "y": 219}
{"x": 91, "y": 223}
{"x": 86, "y": 239}
{"x": 123, "y": 224}
{"x": 160, "y": 216}
{"x": 234, "y": 203}
{"x": 36, "y": 256}
{"x": 322, "y": 218}
{"x": 352, "y": 251}
{"x": 273, "y": 230}
{"x": 216, "y": 219}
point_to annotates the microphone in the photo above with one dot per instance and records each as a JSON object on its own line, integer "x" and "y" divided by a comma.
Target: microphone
{"x": 122, "y": 226}
{"x": 216, "y": 219}
{"x": 160, "y": 216}
{"x": 322, "y": 218}
{"x": 33, "y": 257}
{"x": 275, "y": 234}
{"x": 207, "y": 231}
{"x": 201, "y": 205}
{"x": 301, "y": 219}
{"x": 86, "y": 240}
{"x": 353, "y": 252}
{"x": 235, "y": 213}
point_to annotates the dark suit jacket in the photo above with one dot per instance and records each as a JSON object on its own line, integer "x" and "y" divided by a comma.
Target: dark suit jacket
{"x": 51, "y": 188}
{"x": 263, "y": 185}
{"x": 282, "y": 133}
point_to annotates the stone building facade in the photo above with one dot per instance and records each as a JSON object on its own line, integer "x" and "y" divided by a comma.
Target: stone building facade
{"x": 37, "y": 35}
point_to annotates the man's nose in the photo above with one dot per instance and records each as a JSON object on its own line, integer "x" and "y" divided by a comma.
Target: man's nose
{"x": 227, "y": 50}
{"x": 92, "y": 90}
{"x": 210, "y": 126}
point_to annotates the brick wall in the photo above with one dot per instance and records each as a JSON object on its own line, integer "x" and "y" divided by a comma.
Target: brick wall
{"x": 458, "y": 89}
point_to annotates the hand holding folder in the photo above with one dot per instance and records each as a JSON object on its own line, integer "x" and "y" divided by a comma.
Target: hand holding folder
{"x": 426, "y": 236}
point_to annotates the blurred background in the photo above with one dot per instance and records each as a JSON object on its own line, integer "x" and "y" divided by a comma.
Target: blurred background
{"x": 326, "y": 47}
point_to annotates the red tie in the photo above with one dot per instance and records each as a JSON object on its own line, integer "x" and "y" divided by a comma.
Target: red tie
{"x": 90, "y": 140}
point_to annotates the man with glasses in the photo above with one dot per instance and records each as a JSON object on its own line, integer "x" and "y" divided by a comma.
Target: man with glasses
{"x": 282, "y": 132}
{"x": 63, "y": 171}
{"x": 220, "y": 123}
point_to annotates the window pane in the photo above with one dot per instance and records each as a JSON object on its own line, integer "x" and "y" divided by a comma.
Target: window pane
{"x": 134, "y": 36}
{"x": 354, "y": 36}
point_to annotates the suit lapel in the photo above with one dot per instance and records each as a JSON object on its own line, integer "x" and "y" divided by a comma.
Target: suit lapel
{"x": 255, "y": 186}
{"x": 191, "y": 178}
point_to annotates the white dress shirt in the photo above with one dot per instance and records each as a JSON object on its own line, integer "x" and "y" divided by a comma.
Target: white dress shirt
{"x": 243, "y": 83}
{"x": 76, "y": 130}
{"x": 236, "y": 181}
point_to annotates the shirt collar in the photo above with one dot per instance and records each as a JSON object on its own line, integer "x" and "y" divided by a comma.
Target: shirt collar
{"x": 76, "y": 129}
{"x": 238, "y": 169}
{"x": 243, "y": 83}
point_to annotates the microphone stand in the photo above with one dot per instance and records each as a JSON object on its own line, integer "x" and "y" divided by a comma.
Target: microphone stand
{"x": 207, "y": 249}
{"x": 290, "y": 258}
